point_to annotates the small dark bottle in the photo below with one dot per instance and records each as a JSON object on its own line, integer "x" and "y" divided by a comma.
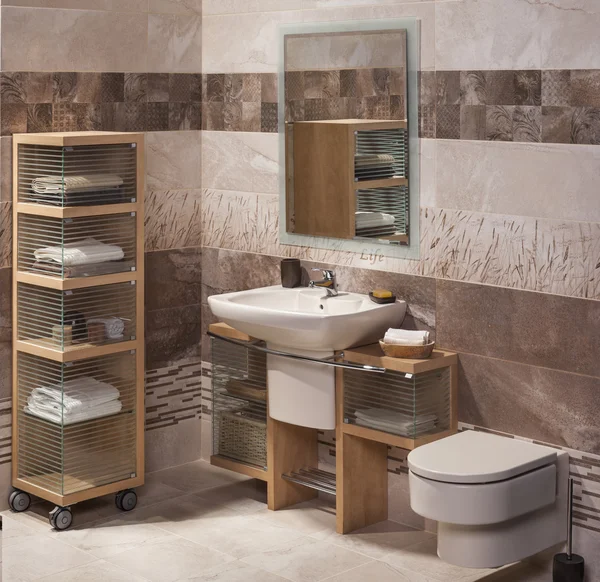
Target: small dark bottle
{"x": 291, "y": 273}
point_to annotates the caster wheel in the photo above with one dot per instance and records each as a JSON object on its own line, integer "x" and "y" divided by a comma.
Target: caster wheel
{"x": 126, "y": 500}
{"x": 19, "y": 501}
{"x": 61, "y": 518}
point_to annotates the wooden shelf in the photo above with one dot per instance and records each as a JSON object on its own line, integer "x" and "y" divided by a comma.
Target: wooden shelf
{"x": 51, "y": 282}
{"x": 239, "y": 467}
{"x": 225, "y": 330}
{"x": 46, "y": 348}
{"x": 372, "y": 355}
{"x": 75, "y": 211}
{"x": 362, "y": 124}
{"x": 79, "y": 138}
{"x": 382, "y": 183}
{"x": 393, "y": 440}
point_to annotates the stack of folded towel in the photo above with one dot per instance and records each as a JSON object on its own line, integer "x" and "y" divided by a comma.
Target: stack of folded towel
{"x": 83, "y": 252}
{"x": 406, "y": 337}
{"x": 374, "y": 224}
{"x": 396, "y": 422}
{"x": 76, "y": 400}
{"x": 83, "y": 183}
{"x": 77, "y": 190}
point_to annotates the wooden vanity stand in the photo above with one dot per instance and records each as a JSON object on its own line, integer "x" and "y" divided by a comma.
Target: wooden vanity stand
{"x": 361, "y": 480}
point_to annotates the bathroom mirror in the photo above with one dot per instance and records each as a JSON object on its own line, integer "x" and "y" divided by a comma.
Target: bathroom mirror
{"x": 348, "y": 125}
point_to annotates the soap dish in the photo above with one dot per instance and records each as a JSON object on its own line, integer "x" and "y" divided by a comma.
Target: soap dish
{"x": 408, "y": 352}
{"x": 382, "y": 300}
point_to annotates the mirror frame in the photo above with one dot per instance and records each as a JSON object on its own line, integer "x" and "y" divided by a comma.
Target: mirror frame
{"x": 413, "y": 44}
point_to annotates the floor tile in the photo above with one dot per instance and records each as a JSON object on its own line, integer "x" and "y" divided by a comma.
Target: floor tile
{"x": 194, "y": 477}
{"x": 309, "y": 517}
{"x": 40, "y": 556}
{"x": 99, "y": 571}
{"x": 170, "y": 561}
{"x": 109, "y": 538}
{"x": 307, "y": 561}
{"x": 188, "y": 512}
{"x": 376, "y": 541}
{"x": 238, "y": 572}
{"x": 15, "y": 532}
{"x": 239, "y": 536}
{"x": 244, "y": 497}
{"x": 423, "y": 559}
{"x": 380, "y": 572}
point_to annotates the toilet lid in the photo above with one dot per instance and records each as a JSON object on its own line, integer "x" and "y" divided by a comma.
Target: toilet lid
{"x": 478, "y": 457}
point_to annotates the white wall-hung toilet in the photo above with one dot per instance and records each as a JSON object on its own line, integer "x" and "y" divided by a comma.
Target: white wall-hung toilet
{"x": 497, "y": 500}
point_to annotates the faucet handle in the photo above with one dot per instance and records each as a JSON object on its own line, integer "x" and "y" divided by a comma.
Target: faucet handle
{"x": 327, "y": 273}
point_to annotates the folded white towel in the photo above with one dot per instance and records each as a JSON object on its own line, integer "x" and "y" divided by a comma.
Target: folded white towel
{"x": 65, "y": 418}
{"x": 76, "y": 394}
{"x": 83, "y": 252}
{"x": 114, "y": 326}
{"x": 406, "y": 337}
{"x": 83, "y": 183}
{"x": 396, "y": 422}
{"x": 373, "y": 219}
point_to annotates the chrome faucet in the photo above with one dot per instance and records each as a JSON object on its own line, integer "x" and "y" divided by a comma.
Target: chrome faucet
{"x": 328, "y": 282}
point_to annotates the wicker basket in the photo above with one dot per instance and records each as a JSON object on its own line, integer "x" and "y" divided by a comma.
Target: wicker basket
{"x": 242, "y": 438}
{"x": 408, "y": 352}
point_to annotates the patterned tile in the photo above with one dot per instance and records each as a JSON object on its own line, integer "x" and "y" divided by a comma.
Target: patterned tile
{"x": 556, "y": 88}
{"x": 233, "y": 86}
{"x": 215, "y": 88}
{"x": 180, "y": 88}
{"x": 585, "y": 125}
{"x": 39, "y": 118}
{"x": 212, "y": 116}
{"x": 14, "y": 118}
{"x": 268, "y": 88}
{"x": 528, "y": 88}
{"x": 232, "y": 116}
{"x": 136, "y": 87}
{"x": 527, "y": 124}
{"x": 499, "y": 123}
{"x": 556, "y": 124}
{"x": 251, "y": 116}
{"x": 76, "y": 87}
{"x": 347, "y": 83}
{"x": 185, "y": 116}
{"x": 251, "y": 89}
{"x": 585, "y": 88}
{"x": 268, "y": 118}
{"x": 448, "y": 87}
{"x": 157, "y": 116}
{"x": 112, "y": 87}
{"x": 472, "y": 122}
{"x": 158, "y": 87}
{"x": 313, "y": 109}
{"x": 448, "y": 122}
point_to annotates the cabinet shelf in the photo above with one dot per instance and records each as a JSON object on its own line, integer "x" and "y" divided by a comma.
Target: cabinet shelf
{"x": 75, "y": 211}
{"x": 317, "y": 479}
{"x": 46, "y": 348}
{"x": 52, "y": 282}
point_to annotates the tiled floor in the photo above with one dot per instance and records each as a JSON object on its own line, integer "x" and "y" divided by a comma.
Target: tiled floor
{"x": 199, "y": 523}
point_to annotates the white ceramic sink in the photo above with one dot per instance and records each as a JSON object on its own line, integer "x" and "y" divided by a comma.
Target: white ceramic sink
{"x": 305, "y": 322}
{"x": 307, "y": 319}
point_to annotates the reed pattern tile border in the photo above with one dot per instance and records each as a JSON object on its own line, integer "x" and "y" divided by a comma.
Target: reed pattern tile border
{"x": 540, "y": 106}
{"x": 61, "y": 101}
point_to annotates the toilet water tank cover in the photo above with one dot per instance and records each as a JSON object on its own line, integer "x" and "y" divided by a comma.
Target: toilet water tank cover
{"x": 478, "y": 457}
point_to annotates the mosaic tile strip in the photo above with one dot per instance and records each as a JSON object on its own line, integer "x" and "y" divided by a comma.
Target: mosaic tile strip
{"x": 5, "y": 430}
{"x": 41, "y": 102}
{"x": 552, "y": 106}
{"x": 173, "y": 394}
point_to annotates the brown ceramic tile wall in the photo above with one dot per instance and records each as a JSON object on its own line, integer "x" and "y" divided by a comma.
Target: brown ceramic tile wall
{"x": 41, "y": 102}
{"x": 240, "y": 102}
{"x": 345, "y": 94}
{"x": 554, "y": 106}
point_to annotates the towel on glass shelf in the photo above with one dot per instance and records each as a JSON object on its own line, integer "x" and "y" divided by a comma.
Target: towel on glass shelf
{"x": 83, "y": 252}
{"x": 75, "y": 400}
{"x": 83, "y": 183}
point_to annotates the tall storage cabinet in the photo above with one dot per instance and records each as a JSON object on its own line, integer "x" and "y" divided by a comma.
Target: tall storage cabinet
{"x": 78, "y": 319}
